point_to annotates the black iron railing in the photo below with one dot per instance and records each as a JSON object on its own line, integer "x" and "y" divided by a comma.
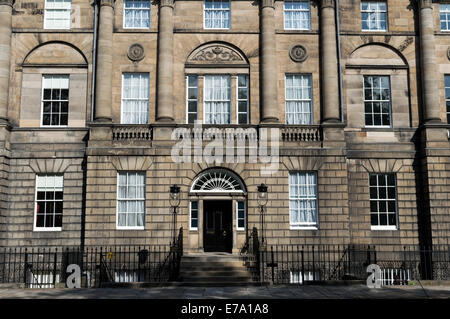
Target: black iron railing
{"x": 297, "y": 264}
{"x": 46, "y": 267}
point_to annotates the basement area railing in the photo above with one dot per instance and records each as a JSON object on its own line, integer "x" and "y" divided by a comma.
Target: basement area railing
{"x": 99, "y": 266}
{"x": 297, "y": 264}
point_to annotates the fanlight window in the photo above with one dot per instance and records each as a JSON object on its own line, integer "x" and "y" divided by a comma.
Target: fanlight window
{"x": 218, "y": 180}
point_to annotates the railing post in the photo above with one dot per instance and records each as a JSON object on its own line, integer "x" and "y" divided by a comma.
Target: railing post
{"x": 303, "y": 267}
{"x": 54, "y": 267}
{"x": 25, "y": 268}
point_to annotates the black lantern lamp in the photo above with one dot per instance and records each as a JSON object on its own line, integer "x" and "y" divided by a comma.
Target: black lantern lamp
{"x": 262, "y": 202}
{"x": 175, "y": 198}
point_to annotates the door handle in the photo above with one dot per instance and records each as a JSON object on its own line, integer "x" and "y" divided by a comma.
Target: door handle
{"x": 224, "y": 233}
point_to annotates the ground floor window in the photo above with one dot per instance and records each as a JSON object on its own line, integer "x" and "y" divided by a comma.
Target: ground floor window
{"x": 383, "y": 201}
{"x": 303, "y": 199}
{"x": 130, "y": 200}
{"x": 194, "y": 216}
{"x": 240, "y": 225}
{"x": 49, "y": 202}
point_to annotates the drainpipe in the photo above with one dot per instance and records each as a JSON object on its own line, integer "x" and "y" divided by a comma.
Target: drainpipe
{"x": 338, "y": 41}
{"x": 94, "y": 59}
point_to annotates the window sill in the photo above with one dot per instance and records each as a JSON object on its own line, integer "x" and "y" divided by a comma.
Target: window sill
{"x": 44, "y": 229}
{"x": 375, "y": 228}
{"x": 303, "y": 228}
{"x": 129, "y": 228}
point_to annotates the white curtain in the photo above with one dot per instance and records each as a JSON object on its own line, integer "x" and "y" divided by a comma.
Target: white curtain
{"x": 296, "y": 15}
{"x": 135, "y": 98}
{"x": 131, "y": 199}
{"x": 217, "y": 99}
{"x": 298, "y": 99}
{"x": 303, "y": 198}
{"x": 217, "y": 14}
{"x": 137, "y": 14}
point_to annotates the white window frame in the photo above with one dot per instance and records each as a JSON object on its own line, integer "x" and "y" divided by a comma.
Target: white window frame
{"x": 61, "y": 7}
{"x": 46, "y": 229}
{"x": 305, "y": 225}
{"x": 299, "y": 10}
{"x": 134, "y": 9}
{"x": 229, "y": 100}
{"x": 242, "y": 100}
{"x": 237, "y": 215}
{"x": 377, "y": 12}
{"x": 379, "y": 101}
{"x": 191, "y": 100}
{"x": 444, "y": 8}
{"x": 122, "y": 99}
{"x": 44, "y": 76}
{"x": 190, "y": 214}
{"x": 204, "y": 15}
{"x": 385, "y": 227}
{"x": 311, "y": 100}
{"x": 447, "y": 99}
{"x": 134, "y": 199}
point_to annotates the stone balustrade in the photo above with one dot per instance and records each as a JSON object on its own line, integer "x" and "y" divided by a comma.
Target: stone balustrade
{"x": 132, "y": 133}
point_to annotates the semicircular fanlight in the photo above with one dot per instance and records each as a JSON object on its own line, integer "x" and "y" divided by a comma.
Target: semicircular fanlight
{"x": 218, "y": 180}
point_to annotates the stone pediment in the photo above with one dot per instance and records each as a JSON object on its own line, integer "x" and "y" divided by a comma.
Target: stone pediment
{"x": 216, "y": 54}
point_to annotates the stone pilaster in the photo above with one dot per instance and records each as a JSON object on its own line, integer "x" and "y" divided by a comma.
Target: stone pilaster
{"x": 5, "y": 55}
{"x": 164, "y": 110}
{"x": 330, "y": 86}
{"x": 269, "y": 109}
{"x": 428, "y": 62}
{"x": 103, "y": 92}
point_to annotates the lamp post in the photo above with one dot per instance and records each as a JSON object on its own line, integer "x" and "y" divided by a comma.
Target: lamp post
{"x": 262, "y": 201}
{"x": 174, "y": 203}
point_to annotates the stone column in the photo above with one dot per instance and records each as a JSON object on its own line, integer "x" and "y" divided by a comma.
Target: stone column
{"x": 103, "y": 91}
{"x": 330, "y": 86}
{"x": 269, "y": 109}
{"x": 428, "y": 62}
{"x": 5, "y": 55}
{"x": 164, "y": 110}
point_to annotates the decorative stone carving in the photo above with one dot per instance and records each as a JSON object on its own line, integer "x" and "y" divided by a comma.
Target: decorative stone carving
{"x": 136, "y": 52}
{"x": 166, "y": 3}
{"x": 406, "y": 44}
{"x": 327, "y": 4}
{"x": 216, "y": 53}
{"x": 426, "y": 4}
{"x": 298, "y": 53}
{"x": 107, "y": 3}
{"x": 267, "y": 3}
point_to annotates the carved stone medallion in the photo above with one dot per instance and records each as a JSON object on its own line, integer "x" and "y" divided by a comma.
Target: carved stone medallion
{"x": 298, "y": 53}
{"x": 136, "y": 52}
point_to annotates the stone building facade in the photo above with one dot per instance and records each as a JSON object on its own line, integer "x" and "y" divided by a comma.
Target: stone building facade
{"x": 263, "y": 51}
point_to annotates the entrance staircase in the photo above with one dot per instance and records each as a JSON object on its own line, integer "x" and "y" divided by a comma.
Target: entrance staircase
{"x": 214, "y": 270}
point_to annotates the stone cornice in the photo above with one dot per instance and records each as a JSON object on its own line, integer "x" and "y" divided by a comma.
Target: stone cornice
{"x": 267, "y": 3}
{"x": 166, "y": 3}
{"x": 7, "y": 2}
{"x": 109, "y": 3}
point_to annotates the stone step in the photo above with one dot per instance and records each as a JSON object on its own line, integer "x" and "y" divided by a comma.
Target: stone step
{"x": 217, "y": 279}
{"x": 209, "y": 264}
{"x": 215, "y": 272}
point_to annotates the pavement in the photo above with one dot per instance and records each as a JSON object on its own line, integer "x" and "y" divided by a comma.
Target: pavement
{"x": 263, "y": 292}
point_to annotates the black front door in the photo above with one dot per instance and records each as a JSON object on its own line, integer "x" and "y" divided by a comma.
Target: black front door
{"x": 217, "y": 226}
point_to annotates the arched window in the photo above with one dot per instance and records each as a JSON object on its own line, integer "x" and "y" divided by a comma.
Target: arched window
{"x": 218, "y": 180}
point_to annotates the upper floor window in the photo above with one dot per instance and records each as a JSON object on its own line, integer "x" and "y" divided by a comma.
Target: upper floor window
{"x": 130, "y": 200}
{"x": 136, "y": 14}
{"x": 192, "y": 98}
{"x": 217, "y": 96}
{"x": 135, "y": 97}
{"x": 297, "y": 15}
{"x": 48, "y": 202}
{"x": 242, "y": 99}
{"x": 447, "y": 97}
{"x": 57, "y": 14}
{"x": 383, "y": 201}
{"x": 374, "y": 15}
{"x": 217, "y": 14}
{"x": 55, "y": 100}
{"x": 377, "y": 100}
{"x": 298, "y": 99}
{"x": 444, "y": 9}
{"x": 303, "y": 209}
